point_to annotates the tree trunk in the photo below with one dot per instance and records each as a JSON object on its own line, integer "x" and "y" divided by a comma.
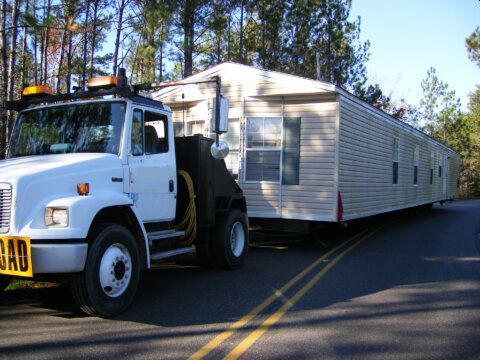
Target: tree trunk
{"x": 3, "y": 49}
{"x": 12, "y": 58}
{"x": 85, "y": 43}
{"x": 240, "y": 51}
{"x": 94, "y": 36}
{"x": 188, "y": 40}
{"x": 69, "y": 59}
{"x": 117, "y": 38}
{"x": 24, "y": 46}
{"x": 229, "y": 40}
{"x": 35, "y": 54}
{"x": 60, "y": 62}
{"x": 160, "y": 60}
{"x": 42, "y": 40}
{"x": 3, "y": 64}
{"x": 46, "y": 42}
{"x": 11, "y": 63}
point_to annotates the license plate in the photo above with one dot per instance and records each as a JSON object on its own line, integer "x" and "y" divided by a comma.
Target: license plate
{"x": 15, "y": 256}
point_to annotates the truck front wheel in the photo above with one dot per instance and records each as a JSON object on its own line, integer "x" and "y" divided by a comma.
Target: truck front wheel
{"x": 108, "y": 284}
{"x": 230, "y": 243}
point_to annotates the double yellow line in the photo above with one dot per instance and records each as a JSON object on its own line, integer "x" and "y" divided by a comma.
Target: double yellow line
{"x": 275, "y": 317}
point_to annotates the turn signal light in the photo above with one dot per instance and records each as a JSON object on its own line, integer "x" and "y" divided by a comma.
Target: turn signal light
{"x": 102, "y": 82}
{"x": 37, "y": 90}
{"x": 83, "y": 189}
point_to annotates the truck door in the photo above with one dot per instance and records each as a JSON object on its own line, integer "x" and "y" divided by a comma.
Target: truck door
{"x": 152, "y": 166}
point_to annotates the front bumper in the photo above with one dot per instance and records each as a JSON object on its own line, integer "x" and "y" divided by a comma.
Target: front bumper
{"x": 50, "y": 258}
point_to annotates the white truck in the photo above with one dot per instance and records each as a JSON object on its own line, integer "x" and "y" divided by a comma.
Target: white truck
{"x": 95, "y": 187}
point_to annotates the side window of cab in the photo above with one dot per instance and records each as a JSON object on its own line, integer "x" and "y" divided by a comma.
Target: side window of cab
{"x": 156, "y": 133}
{"x": 137, "y": 133}
{"x": 149, "y": 133}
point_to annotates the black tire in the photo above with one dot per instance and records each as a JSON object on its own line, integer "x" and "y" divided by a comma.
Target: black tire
{"x": 203, "y": 249}
{"x": 4, "y": 282}
{"x": 115, "y": 250}
{"x": 228, "y": 254}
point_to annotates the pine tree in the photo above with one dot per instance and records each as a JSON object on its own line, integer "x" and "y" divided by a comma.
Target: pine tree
{"x": 473, "y": 46}
{"x": 433, "y": 90}
{"x": 339, "y": 55}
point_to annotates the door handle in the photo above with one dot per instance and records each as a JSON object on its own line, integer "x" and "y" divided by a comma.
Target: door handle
{"x": 171, "y": 186}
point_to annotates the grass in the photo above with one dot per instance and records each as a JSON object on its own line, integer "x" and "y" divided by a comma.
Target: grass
{"x": 28, "y": 284}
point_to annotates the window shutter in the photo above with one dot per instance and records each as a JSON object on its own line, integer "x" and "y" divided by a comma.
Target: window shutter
{"x": 291, "y": 151}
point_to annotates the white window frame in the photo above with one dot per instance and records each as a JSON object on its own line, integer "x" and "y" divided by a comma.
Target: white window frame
{"x": 239, "y": 149}
{"x": 416, "y": 163}
{"x": 396, "y": 159}
{"x": 246, "y": 149}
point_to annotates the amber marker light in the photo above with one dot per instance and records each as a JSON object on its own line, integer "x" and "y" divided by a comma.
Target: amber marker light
{"x": 102, "y": 82}
{"x": 83, "y": 189}
{"x": 37, "y": 90}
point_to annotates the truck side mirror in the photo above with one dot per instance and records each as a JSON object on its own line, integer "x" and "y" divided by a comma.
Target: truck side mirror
{"x": 219, "y": 150}
{"x": 223, "y": 124}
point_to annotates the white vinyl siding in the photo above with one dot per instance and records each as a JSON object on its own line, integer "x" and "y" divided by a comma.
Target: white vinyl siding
{"x": 313, "y": 198}
{"x": 345, "y": 145}
{"x": 365, "y": 172}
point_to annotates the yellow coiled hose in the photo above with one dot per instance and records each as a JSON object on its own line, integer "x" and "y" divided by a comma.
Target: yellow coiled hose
{"x": 189, "y": 221}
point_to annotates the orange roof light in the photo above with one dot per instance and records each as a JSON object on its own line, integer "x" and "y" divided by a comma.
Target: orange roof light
{"x": 37, "y": 90}
{"x": 102, "y": 82}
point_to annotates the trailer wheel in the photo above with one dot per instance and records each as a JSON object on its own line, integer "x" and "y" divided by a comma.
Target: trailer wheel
{"x": 108, "y": 284}
{"x": 230, "y": 243}
{"x": 4, "y": 282}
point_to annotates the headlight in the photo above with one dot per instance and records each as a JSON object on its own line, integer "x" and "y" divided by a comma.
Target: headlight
{"x": 56, "y": 216}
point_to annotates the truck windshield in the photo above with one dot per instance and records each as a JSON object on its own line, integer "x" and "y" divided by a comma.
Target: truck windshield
{"x": 87, "y": 128}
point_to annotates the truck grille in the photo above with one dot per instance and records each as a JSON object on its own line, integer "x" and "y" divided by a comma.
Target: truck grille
{"x": 5, "y": 207}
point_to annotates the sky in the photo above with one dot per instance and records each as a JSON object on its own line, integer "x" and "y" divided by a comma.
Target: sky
{"x": 407, "y": 37}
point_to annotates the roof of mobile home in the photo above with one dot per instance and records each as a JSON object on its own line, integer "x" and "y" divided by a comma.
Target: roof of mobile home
{"x": 254, "y": 78}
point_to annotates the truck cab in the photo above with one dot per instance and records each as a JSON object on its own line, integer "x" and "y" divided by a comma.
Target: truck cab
{"x": 90, "y": 189}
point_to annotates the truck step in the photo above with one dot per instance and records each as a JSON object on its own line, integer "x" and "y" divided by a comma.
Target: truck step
{"x": 164, "y": 234}
{"x": 171, "y": 253}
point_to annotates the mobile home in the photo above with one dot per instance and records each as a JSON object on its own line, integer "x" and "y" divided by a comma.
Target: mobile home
{"x": 303, "y": 149}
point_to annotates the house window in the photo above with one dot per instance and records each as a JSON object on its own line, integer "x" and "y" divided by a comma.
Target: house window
{"x": 178, "y": 129}
{"x": 439, "y": 166}
{"x": 232, "y": 137}
{"x": 263, "y": 149}
{"x": 432, "y": 164}
{"x": 195, "y": 127}
{"x": 416, "y": 161}
{"x": 396, "y": 159}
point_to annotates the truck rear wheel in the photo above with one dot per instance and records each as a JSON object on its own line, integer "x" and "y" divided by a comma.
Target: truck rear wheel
{"x": 108, "y": 284}
{"x": 4, "y": 282}
{"x": 230, "y": 243}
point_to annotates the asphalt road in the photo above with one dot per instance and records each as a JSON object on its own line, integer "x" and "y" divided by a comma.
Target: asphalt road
{"x": 387, "y": 288}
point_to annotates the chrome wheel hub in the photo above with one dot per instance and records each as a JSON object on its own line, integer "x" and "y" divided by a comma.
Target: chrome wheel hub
{"x": 237, "y": 239}
{"x": 115, "y": 270}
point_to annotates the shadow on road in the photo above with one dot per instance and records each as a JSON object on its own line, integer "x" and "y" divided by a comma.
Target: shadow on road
{"x": 413, "y": 268}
